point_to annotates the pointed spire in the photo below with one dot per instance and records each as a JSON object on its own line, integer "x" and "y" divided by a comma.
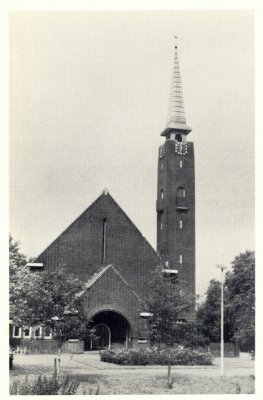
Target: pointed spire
{"x": 176, "y": 121}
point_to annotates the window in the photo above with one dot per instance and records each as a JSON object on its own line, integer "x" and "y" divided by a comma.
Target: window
{"x": 162, "y": 194}
{"x": 16, "y": 332}
{"x": 47, "y": 333}
{"x": 161, "y": 166}
{"x": 161, "y": 221}
{"x": 181, "y": 163}
{"x": 27, "y": 332}
{"x": 181, "y": 192}
{"x": 181, "y": 259}
{"x": 142, "y": 340}
{"x": 181, "y": 224}
{"x": 38, "y": 332}
{"x": 178, "y": 137}
{"x": 104, "y": 232}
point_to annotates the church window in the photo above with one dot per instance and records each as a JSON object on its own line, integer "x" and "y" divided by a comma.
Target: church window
{"x": 27, "y": 332}
{"x": 181, "y": 224}
{"x": 181, "y": 259}
{"x": 16, "y": 332}
{"x": 104, "y": 233}
{"x": 47, "y": 333}
{"x": 38, "y": 332}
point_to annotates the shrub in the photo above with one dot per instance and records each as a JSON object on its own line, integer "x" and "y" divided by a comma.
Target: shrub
{"x": 177, "y": 356}
{"x": 44, "y": 386}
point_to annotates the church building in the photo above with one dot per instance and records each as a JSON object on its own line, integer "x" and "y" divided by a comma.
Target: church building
{"x": 106, "y": 250}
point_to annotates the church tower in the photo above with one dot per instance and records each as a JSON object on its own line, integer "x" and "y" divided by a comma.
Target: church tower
{"x": 176, "y": 190}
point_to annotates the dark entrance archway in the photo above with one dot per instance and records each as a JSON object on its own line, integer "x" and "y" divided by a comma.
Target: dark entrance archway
{"x": 112, "y": 330}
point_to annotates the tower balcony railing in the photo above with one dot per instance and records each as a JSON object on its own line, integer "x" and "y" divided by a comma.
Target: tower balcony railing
{"x": 181, "y": 204}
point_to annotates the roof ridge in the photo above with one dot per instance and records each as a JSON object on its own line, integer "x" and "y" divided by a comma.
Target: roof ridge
{"x": 73, "y": 222}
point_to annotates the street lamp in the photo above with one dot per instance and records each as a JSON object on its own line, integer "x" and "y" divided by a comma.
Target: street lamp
{"x": 222, "y": 267}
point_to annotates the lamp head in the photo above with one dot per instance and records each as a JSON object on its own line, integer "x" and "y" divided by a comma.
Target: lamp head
{"x": 221, "y": 266}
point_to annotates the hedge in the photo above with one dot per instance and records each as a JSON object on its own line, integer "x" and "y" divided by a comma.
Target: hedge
{"x": 178, "y": 356}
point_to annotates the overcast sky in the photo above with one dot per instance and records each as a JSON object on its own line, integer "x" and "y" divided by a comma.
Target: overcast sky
{"x": 88, "y": 100}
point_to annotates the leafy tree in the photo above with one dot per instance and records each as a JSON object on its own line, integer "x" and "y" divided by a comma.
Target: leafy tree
{"x": 17, "y": 260}
{"x": 170, "y": 305}
{"x": 240, "y": 285}
{"x": 239, "y": 304}
{"x": 48, "y": 299}
{"x": 209, "y": 314}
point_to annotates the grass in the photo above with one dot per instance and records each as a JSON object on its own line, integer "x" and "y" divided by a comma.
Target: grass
{"x": 127, "y": 383}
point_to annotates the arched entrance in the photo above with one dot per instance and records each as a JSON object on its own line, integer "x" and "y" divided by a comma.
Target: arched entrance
{"x": 111, "y": 330}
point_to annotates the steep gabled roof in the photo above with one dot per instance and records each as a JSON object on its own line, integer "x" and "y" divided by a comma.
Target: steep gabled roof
{"x": 100, "y": 274}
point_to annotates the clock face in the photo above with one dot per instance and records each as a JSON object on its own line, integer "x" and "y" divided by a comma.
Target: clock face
{"x": 181, "y": 148}
{"x": 161, "y": 152}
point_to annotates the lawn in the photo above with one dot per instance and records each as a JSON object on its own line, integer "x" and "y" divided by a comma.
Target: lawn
{"x": 183, "y": 384}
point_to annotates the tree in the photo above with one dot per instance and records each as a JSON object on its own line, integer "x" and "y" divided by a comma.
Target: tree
{"x": 239, "y": 304}
{"x": 51, "y": 300}
{"x": 47, "y": 299}
{"x": 240, "y": 285}
{"x": 170, "y": 305}
{"x": 209, "y": 314}
{"x": 17, "y": 260}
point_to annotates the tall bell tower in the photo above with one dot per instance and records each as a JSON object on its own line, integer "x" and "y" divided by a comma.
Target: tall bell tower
{"x": 176, "y": 190}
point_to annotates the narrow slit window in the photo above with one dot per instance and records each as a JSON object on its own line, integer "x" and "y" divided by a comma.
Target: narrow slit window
{"x": 161, "y": 166}
{"x": 181, "y": 259}
{"x": 181, "y": 163}
{"x": 161, "y": 221}
{"x": 181, "y": 224}
{"x": 162, "y": 194}
{"x": 104, "y": 233}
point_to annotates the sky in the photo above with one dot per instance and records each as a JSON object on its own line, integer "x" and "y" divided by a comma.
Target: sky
{"x": 88, "y": 100}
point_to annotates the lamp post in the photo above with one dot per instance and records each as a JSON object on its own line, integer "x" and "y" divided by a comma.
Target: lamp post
{"x": 222, "y": 267}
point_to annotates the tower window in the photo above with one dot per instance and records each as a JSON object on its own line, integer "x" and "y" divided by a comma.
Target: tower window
{"x": 181, "y": 163}
{"x": 178, "y": 137}
{"x": 162, "y": 194}
{"x": 181, "y": 224}
{"x": 161, "y": 220}
{"x": 181, "y": 259}
{"x": 104, "y": 232}
{"x": 181, "y": 192}
{"x": 161, "y": 166}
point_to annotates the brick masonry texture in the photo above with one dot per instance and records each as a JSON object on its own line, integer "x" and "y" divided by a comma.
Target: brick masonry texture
{"x": 171, "y": 240}
{"x": 79, "y": 250}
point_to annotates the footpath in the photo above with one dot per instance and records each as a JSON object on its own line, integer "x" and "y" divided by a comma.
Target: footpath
{"x": 90, "y": 364}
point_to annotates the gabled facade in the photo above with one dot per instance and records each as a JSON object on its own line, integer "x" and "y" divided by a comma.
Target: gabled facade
{"x": 102, "y": 235}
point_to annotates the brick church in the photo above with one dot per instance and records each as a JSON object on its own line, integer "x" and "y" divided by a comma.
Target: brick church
{"x": 106, "y": 250}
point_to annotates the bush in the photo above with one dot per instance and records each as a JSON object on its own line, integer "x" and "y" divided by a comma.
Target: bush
{"x": 44, "y": 385}
{"x": 178, "y": 356}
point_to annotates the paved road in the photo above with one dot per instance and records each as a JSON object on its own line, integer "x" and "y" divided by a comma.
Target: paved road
{"x": 83, "y": 364}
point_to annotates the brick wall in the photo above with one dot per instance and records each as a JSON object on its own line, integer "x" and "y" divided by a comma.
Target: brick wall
{"x": 79, "y": 248}
{"x": 118, "y": 298}
{"x": 171, "y": 239}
